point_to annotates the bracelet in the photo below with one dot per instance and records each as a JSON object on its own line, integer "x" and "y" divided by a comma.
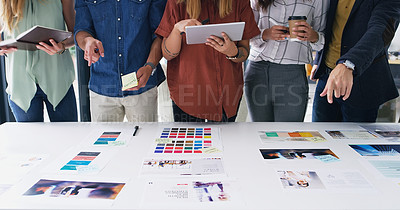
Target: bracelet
{"x": 153, "y": 67}
{"x": 62, "y": 50}
{"x": 235, "y": 56}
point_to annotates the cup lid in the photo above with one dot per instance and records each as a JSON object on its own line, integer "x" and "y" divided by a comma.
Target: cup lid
{"x": 297, "y": 18}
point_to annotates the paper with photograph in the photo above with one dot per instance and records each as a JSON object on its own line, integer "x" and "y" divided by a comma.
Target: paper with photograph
{"x": 351, "y": 134}
{"x": 324, "y": 155}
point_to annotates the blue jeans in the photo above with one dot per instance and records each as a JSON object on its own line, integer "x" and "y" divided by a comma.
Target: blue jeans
{"x": 276, "y": 92}
{"x": 338, "y": 111}
{"x": 65, "y": 111}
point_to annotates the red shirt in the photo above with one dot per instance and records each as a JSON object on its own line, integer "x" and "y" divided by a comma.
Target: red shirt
{"x": 201, "y": 80}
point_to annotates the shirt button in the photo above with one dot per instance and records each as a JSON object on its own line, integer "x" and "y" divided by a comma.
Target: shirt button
{"x": 120, "y": 55}
{"x": 119, "y": 19}
{"x": 117, "y": 0}
{"x": 95, "y": 2}
{"x": 119, "y": 38}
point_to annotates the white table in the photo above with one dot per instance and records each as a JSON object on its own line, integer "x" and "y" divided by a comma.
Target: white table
{"x": 259, "y": 185}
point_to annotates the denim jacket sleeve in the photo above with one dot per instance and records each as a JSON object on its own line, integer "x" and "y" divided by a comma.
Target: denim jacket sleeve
{"x": 157, "y": 8}
{"x": 381, "y": 28}
{"x": 83, "y": 19}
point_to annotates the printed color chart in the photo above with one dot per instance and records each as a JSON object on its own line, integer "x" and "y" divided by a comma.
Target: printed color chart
{"x": 272, "y": 136}
{"x": 106, "y": 137}
{"x": 185, "y": 140}
{"x": 82, "y": 159}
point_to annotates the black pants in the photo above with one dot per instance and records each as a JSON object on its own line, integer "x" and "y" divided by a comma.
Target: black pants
{"x": 181, "y": 116}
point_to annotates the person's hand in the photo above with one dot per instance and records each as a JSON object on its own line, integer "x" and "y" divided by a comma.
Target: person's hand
{"x": 143, "y": 74}
{"x": 93, "y": 50}
{"x": 225, "y": 45}
{"x": 340, "y": 82}
{"x": 304, "y": 32}
{"x": 181, "y": 25}
{"x": 312, "y": 74}
{"x": 52, "y": 49}
{"x": 7, "y": 50}
{"x": 276, "y": 32}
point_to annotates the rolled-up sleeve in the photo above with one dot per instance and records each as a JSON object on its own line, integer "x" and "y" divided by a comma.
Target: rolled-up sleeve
{"x": 83, "y": 20}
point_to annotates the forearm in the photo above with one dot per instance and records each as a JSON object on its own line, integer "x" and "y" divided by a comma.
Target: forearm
{"x": 69, "y": 18}
{"x": 171, "y": 45}
{"x": 81, "y": 38}
{"x": 155, "y": 54}
{"x": 242, "y": 56}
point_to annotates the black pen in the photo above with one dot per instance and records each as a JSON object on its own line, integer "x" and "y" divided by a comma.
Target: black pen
{"x": 136, "y": 129}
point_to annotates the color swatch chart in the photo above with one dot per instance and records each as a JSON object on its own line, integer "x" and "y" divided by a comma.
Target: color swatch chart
{"x": 106, "y": 137}
{"x": 190, "y": 133}
{"x": 291, "y": 136}
{"x": 184, "y": 140}
{"x": 82, "y": 159}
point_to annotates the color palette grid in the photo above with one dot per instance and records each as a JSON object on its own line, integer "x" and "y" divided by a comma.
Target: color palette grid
{"x": 82, "y": 159}
{"x": 186, "y": 133}
{"x": 106, "y": 137}
{"x": 183, "y": 146}
{"x": 289, "y": 134}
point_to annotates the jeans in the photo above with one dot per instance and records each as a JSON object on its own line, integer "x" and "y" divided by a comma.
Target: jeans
{"x": 338, "y": 111}
{"x": 181, "y": 116}
{"x": 276, "y": 92}
{"x": 65, "y": 111}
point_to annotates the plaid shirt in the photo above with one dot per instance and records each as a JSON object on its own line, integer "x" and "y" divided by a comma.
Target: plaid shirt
{"x": 288, "y": 52}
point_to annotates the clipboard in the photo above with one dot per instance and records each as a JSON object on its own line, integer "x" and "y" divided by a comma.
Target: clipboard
{"x": 199, "y": 34}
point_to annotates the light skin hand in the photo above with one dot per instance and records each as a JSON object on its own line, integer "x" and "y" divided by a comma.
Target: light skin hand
{"x": 143, "y": 74}
{"x": 224, "y": 46}
{"x": 181, "y": 25}
{"x": 6, "y": 50}
{"x": 51, "y": 50}
{"x": 304, "y": 32}
{"x": 93, "y": 50}
{"x": 313, "y": 70}
{"x": 276, "y": 33}
{"x": 339, "y": 83}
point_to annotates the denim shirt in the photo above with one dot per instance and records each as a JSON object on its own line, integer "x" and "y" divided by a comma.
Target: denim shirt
{"x": 126, "y": 30}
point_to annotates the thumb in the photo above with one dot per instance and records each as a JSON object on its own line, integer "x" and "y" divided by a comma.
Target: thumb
{"x": 225, "y": 36}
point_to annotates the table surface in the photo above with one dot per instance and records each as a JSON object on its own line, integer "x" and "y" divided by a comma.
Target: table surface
{"x": 256, "y": 178}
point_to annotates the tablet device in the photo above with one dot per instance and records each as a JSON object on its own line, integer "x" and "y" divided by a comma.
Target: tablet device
{"x": 199, "y": 34}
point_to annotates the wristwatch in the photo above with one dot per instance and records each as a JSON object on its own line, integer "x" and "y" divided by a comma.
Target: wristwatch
{"x": 153, "y": 67}
{"x": 348, "y": 64}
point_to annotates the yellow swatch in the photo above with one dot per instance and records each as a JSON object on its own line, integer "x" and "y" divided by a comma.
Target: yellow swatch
{"x": 129, "y": 81}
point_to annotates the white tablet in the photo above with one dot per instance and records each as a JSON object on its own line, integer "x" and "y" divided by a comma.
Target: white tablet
{"x": 199, "y": 34}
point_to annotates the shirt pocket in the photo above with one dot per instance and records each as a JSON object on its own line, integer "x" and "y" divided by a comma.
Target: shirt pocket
{"x": 98, "y": 9}
{"x": 139, "y": 9}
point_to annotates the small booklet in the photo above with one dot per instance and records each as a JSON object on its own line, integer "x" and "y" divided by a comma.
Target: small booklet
{"x": 30, "y": 38}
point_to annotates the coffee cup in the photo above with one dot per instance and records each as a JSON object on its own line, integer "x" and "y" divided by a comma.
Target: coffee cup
{"x": 292, "y": 23}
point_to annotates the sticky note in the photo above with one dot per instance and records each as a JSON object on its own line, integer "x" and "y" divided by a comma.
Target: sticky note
{"x": 210, "y": 150}
{"x": 129, "y": 81}
{"x": 163, "y": 140}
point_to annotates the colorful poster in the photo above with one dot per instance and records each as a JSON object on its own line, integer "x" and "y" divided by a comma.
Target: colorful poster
{"x": 281, "y": 136}
{"x": 75, "y": 189}
{"x": 377, "y": 149}
{"x": 324, "y": 155}
{"x": 304, "y": 180}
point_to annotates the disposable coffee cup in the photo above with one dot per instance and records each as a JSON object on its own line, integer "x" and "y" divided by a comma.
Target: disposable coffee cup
{"x": 292, "y": 23}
